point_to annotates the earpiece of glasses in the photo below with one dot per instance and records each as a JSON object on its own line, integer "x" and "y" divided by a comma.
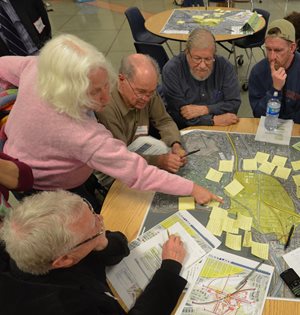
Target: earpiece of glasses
{"x": 94, "y": 236}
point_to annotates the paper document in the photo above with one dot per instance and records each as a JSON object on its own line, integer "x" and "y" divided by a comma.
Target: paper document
{"x": 214, "y": 291}
{"x": 130, "y": 277}
{"x": 282, "y": 135}
{"x": 292, "y": 259}
{"x": 148, "y": 145}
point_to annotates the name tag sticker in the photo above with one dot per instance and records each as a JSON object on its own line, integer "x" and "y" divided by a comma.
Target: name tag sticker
{"x": 39, "y": 25}
{"x": 141, "y": 130}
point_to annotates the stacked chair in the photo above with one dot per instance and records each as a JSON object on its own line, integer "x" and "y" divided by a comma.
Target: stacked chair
{"x": 155, "y": 51}
{"x": 252, "y": 41}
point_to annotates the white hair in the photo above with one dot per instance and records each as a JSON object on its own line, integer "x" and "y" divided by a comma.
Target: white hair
{"x": 64, "y": 65}
{"x": 37, "y": 231}
{"x": 201, "y": 38}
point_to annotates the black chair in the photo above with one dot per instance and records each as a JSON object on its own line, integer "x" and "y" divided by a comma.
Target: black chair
{"x": 139, "y": 32}
{"x": 192, "y": 3}
{"x": 253, "y": 41}
{"x": 155, "y": 51}
{"x": 228, "y": 2}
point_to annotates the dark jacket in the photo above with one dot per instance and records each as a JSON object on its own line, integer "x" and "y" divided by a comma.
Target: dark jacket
{"x": 220, "y": 92}
{"x": 261, "y": 90}
{"x": 30, "y": 11}
{"x": 82, "y": 288}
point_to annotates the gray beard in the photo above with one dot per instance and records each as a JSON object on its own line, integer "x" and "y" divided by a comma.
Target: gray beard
{"x": 200, "y": 79}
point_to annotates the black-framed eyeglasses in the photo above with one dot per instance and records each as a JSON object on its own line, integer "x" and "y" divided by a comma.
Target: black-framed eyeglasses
{"x": 197, "y": 60}
{"x": 140, "y": 94}
{"x": 94, "y": 236}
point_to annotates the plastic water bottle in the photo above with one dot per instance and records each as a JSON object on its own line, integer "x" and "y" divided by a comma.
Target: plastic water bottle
{"x": 272, "y": 114}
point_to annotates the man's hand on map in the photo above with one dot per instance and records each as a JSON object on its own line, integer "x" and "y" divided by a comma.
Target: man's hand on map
{"x": 170, "y": 162}
{"x": 174, "y": 249}
{"x": 204, "y": 196}
{"x": 193, "y": 111}
{"x": 225, "y": 119}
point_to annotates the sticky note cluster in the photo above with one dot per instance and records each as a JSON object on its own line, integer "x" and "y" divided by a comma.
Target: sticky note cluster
{"x": 219, "y": 221}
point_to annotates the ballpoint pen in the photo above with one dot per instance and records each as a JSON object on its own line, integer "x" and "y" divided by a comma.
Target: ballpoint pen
{"x": 168, "y": 233}
{"x": 192, "y": 152}
{"x": 248, "y": 276}
{"x": 287, "y": 244}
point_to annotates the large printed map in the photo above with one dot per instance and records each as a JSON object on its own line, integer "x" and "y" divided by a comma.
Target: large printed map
{"x": 271, "y": 201}
{"x": 217, "y": 21}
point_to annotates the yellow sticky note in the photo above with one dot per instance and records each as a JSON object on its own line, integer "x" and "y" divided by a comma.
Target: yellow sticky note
{"x": 215, "y": 226}
{"x": 234, "y": 187}
{"x": 282, "y": 172}
{"x": 226, "y": 165}
{"x": 218, "y": 213}
{"x": 266, "y": 167}
{"x": 213, "y": 203}
{"x": 214, "y": 175}
{"x": 198, "y": 17}
{"x": 260, "y": 250}
{"x": 279, "y": 160}
{"x": 250, "y": 164}
{"x": 186, "y": 203}
{"x": 296, "y": 165}
{"x": 261, "y": 157}
{"x": 247, "y": 241}
{"x": 298, "y": 192}
{"x": 233, "y": 241}
{"x": 243, "y": 222}
{"x": 296, "y": 179}
{"x": 229, "y": 226}
{"x": 180, "y": 22}
{"x": 296, "y": 146}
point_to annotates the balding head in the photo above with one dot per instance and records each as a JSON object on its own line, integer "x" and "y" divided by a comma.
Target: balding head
{"x": 138, "y": 65}
{"x": 138, "y": 79}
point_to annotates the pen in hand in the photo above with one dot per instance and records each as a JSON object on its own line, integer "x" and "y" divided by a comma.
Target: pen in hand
{"x": 192, "y": 152}
{"x": 287, "y": 244}
{"x": 168, "y": 233}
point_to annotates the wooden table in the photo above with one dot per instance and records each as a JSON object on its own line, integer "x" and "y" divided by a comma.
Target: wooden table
{"x": 124, "y": 210}
{"x": 156, "y": 22}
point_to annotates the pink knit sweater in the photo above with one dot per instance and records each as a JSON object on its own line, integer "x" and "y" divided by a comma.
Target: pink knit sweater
{"x": 62, "y": 151}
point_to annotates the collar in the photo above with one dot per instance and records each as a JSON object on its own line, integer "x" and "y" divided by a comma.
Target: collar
{"x": 118, "y": 99}
{"x": 291, "y": 64}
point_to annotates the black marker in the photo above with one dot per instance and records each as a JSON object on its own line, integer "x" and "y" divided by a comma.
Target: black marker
{"x": 287, "y": 244}
{"x": 192, "y": 152}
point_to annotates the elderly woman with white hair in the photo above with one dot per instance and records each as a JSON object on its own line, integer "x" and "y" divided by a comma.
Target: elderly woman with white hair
{"x": 53, "y": 129}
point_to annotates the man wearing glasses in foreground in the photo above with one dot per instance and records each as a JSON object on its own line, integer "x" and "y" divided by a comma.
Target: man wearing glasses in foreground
{"x": 135, "y": 106}
{"x": 200, "y": 87}
{"x": 58, "y": 250}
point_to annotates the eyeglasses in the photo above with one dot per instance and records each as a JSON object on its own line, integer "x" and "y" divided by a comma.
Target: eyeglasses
{"x": 94, "y": 236}
{"x": 140, "y": 94}
{"x": 197, "y": 60}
